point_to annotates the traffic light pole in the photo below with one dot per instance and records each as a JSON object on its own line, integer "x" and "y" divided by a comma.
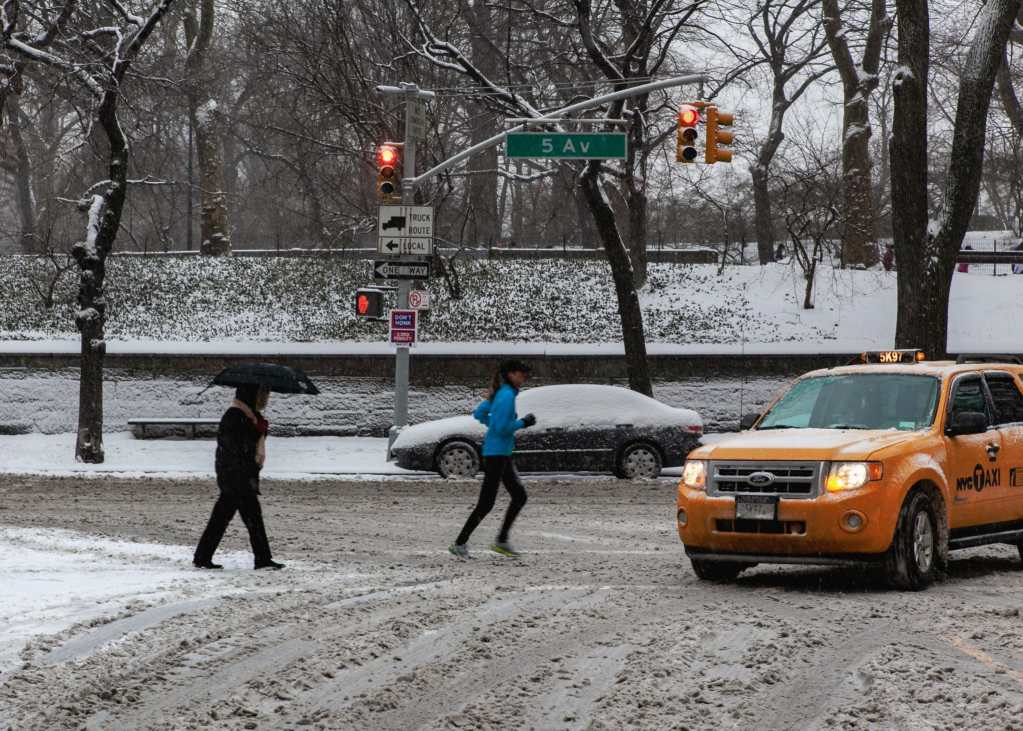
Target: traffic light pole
{"x": 413, "y": 95}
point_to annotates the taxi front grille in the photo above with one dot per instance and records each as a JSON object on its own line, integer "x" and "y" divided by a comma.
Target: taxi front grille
{"x": 785, "y": 479}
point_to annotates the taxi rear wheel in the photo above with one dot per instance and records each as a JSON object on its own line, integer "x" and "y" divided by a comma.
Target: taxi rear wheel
{"x": 912, "y": 560}
{"x": 717, "y": 570}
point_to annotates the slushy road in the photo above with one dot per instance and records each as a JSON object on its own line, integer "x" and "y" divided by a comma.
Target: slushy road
{"x": 373, "y": 625}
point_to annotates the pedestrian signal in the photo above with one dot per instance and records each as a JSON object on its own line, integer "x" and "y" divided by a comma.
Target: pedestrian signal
{"x": 389, "y": 172}
{"x": 685, "y": 148}
{"x": 717, "y": 136}
{"x": 369, "y": 304}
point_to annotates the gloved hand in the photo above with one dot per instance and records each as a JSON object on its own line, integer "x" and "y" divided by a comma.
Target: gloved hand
{"x": 528, "y": 420}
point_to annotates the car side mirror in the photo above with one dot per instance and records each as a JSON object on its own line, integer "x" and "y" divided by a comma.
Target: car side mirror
{"x": 748, "y": 420}
{"x": 967, "y": 422}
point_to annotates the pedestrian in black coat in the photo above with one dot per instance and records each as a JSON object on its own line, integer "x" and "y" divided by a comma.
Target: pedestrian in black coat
{"x": 241, "y": 451}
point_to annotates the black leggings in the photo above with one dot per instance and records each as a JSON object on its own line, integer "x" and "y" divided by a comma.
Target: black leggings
{"x": 496, "y": 470}
{"x": 252, "y": 515}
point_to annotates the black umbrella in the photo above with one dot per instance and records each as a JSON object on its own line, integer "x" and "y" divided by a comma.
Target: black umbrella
{"x": 279, "y": 378}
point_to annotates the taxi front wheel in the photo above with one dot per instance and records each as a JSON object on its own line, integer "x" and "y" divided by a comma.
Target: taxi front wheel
{"x": 912, "y": 560}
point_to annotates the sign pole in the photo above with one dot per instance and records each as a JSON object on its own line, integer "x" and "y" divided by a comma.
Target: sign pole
{"x": 412, "y": 96}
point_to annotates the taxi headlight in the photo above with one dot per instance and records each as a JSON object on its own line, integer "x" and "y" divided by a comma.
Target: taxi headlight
{"x": 694, "y": 474}
{"x": 852, "y": 475}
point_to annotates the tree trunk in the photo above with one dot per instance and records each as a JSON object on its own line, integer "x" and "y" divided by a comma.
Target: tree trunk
{"x": 859, "y": 239}
{"x": 90, "y": 255}
{"x": 633, "y": 337}
{"x": 23, "y": 179}
{"x": 926, "y": 263}
{"x": 482, "y": 181}
{"x": 206, "y": 118}
{"x": 762, "y": 214}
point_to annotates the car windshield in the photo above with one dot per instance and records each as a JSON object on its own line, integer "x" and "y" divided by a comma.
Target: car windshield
{"x": 856, "y": 401}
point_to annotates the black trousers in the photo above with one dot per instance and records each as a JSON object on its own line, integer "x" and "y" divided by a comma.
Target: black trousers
{"x": 495, "y": 471}
{"x": 247, "y": 504}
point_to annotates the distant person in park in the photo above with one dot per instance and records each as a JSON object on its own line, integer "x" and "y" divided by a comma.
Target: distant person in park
{"x": 1017, "y": 268}
{"x": 963, "y": 266}
{"x": 888, "y": 259}
{"x": 498, "y": 414}
{"x": 780, "y": 253}
{"x": 241, "y": 452}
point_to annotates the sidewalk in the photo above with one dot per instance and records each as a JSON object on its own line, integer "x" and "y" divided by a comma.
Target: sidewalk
{"x": 292, "y": 458}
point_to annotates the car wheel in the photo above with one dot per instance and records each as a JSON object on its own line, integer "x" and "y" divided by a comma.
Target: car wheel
{"x": 458, "y": 459}
{"x": 912, "y": 561}
{"x": 717, "y": 570}
{"x": 639, "y": 462}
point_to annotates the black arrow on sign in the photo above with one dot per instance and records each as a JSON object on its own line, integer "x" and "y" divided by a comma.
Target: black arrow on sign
{"x": 391, "y": 246}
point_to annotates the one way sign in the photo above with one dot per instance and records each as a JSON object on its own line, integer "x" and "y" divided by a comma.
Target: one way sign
{"x": 401, "y": 269}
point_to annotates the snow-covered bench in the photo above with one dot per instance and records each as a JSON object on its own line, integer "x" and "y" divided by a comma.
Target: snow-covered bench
{"x": 138, "y": 426}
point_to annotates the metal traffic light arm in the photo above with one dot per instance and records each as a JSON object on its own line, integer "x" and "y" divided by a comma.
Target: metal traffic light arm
{"x": 410, "y": 182}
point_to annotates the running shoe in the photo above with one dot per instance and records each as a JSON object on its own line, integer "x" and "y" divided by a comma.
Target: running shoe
{"x": 459, "y": 550}
{"x": 505, "y": 549}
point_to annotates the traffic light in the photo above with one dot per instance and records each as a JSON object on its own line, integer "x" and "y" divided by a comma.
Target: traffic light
{"x": 389, "y": 172}
{"x": 685, "y": 148}
{"x": 717, "y": 136}
{"x": 369, "y": 304}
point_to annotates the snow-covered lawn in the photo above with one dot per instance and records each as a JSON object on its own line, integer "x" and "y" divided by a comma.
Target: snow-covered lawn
{"x": 304, "y": 305}
{"x": 287, "y": 457}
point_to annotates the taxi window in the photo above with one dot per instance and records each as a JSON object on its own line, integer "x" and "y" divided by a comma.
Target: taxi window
{"x": 969, "y": 396}
{"x": 1006, "y": 397}
{"x": 856, "y": 401}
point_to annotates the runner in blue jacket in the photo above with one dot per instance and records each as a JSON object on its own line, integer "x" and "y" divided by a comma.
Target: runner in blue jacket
{"x": 498, "y": 414}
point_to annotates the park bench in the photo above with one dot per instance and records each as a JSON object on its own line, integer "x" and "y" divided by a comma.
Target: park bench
{"x": 138, "y": 425}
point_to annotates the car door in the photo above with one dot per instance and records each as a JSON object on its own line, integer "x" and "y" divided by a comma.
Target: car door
{"x": 972, "y": 463}
{"x": 1006, "y": 498}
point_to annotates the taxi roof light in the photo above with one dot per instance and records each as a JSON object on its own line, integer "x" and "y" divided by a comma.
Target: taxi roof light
{"x": 903, "y": 355}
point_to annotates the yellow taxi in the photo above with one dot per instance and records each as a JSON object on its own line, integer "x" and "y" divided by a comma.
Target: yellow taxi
{"x": 892, "y": 462}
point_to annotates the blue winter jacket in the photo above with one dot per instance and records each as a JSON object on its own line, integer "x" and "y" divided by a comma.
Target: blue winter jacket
{"x": 502, "y": 422}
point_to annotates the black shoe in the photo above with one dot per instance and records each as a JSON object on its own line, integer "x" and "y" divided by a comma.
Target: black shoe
{"x": 269, "y": 565}
{"x": 206, "y": 565}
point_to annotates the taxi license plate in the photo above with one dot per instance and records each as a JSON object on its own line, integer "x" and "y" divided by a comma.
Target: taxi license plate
{"x": 756, "y": 507}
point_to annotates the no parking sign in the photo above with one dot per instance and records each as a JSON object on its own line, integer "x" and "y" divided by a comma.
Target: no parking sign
{"x": 419, "y": 299}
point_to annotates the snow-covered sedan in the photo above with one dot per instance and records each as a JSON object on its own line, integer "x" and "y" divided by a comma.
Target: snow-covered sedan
{"x": 579, "y": 428}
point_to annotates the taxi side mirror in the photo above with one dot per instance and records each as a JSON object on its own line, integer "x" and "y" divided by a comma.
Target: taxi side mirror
{"x": 748, "y": 420}
{"x": 967, "y": 422}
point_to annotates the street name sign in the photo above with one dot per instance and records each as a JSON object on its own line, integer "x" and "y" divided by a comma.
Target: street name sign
{"x": 403, "y": 326}
{"x": 405, "y": 230}
{"x": 573, "y": 145}
{"x": 383, "y": 269}
{"x": 417, "y": 128}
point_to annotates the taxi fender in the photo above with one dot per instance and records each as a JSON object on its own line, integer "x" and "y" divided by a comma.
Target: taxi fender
{"x": 912, "y": 471}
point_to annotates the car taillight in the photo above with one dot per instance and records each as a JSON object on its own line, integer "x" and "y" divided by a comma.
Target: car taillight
{"x": 694, "y": 429}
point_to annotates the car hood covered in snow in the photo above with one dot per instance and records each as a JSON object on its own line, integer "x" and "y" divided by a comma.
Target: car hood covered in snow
{"x": 431, "y": 432}
{"x": 815, "y": 444}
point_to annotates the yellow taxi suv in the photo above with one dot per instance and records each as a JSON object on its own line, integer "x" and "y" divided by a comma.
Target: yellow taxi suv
{"x": 891, "y": 463}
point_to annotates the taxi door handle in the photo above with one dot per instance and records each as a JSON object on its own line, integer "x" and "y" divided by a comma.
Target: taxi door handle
{"x": 992, "y": 452}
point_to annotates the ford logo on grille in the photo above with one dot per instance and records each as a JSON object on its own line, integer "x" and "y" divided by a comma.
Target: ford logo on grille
{"x": 760, "y": 479}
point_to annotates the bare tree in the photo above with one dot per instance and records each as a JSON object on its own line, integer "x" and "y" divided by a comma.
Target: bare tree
{"x": 927, "y": 257}
{"x": 789, "y": 42}
{"x": 99, "y": 44}
{"x": 859, "y": 80}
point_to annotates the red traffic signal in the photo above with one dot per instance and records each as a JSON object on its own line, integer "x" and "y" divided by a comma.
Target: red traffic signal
{"x": 389, "y": 172}
{"x": 369, "y": 304}
{"x": 688, "y": 116}
{"x": 685, "y": 136}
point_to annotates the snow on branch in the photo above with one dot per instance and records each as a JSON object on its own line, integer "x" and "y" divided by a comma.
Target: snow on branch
{"x": 447, "y": 55}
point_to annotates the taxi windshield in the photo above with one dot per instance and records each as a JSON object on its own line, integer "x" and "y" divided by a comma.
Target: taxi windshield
{"x": 856, "y": 401}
